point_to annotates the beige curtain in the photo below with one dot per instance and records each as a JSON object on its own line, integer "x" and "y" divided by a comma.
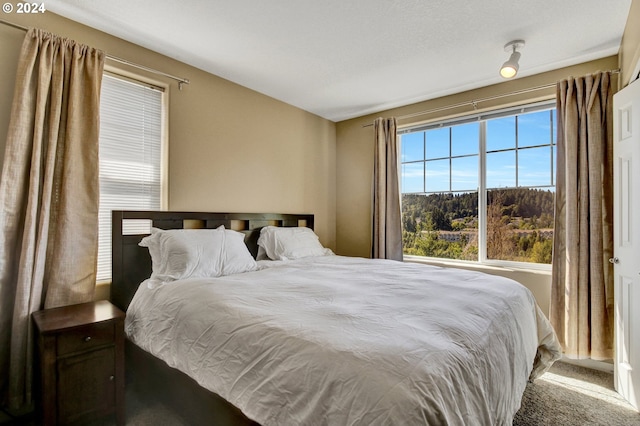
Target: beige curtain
{"x": 582, "y": 281}
{"x": 387, "y": 224}
{"x": 48, "y": 196}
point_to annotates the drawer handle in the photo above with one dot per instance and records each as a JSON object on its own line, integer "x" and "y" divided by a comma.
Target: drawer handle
{"x": 112, "y": 378}
{"x": 88, "y": 338}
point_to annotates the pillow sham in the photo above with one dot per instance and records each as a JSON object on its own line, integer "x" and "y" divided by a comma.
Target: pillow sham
{"x": 185, "y": 253}
{"x": 236, "y": 257}
{"x": 197, "y": 253}
{"x": 289, "y": 243}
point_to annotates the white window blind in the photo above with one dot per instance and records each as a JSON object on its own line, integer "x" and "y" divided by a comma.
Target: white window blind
{"x": 131, "y": 126}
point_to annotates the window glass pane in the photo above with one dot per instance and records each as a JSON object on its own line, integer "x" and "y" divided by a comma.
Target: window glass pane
{"x": 501, "y": 169}
{"x": 534, "y": 166}
{"x": 464, "y": 173}
{"x": 437, "y": 178}
{"x": 438, "y": 143}
{"x": 443, "y": 220}
{"x": 412, "y": 145}
{"x": 501, "y": 133}
{"x": 520, "y": 225}
{"x": 534, "y": 129}
{"x": 464, "y": 139}
{"x": 413, "y": 177}
{"x": 441, "y": 225}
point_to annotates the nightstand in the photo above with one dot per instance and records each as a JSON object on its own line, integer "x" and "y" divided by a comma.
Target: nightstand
{"x": 81, "y": 362}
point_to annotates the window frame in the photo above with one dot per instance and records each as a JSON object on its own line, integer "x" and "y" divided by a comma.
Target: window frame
{"x": 115, "y": 72}
{"x": 482, "y": 118}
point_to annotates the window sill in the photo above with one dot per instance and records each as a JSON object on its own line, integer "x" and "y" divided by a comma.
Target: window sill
{"x": 103, "y": 290}
{"x": 542, "y": 270}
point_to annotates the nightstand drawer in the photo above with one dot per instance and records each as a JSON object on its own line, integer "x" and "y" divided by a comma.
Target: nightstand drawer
{"x": 84, "y": 338}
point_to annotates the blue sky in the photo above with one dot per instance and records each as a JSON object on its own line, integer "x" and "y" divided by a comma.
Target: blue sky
{"x": 534, "y": 164}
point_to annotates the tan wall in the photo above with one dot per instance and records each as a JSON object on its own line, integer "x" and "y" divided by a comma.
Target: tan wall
{"x": 230, "y": 148}
{"x": 630, "y": 46}
{"x": 355, "y": 159}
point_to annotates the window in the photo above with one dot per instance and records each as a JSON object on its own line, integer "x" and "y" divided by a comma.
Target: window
{"x": 482, "y": 187}
{"x": 131, "y": 141}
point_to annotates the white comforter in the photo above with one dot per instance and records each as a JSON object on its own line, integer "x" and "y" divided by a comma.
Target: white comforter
{"x": 349, "y": 341}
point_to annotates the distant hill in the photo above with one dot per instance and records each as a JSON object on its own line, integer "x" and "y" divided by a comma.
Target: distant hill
{"x": 519, "y": 225}
{"x": 443, "y": 209}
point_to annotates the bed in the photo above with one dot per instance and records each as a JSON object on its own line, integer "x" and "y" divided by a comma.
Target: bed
{"x": 324, "y": 339}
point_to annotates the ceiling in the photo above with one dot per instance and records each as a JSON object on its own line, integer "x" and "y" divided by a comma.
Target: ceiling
{"x": 342, "y": 59}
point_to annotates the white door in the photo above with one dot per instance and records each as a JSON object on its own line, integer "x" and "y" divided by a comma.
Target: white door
{"x": 626, "y": 241}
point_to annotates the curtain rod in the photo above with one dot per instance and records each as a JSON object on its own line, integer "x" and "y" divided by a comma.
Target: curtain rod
{"x": 476, "y": 101}
{"x": 180, "y": 80}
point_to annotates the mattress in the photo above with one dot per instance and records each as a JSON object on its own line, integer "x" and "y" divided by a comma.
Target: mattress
{"x": 336, "y": 340}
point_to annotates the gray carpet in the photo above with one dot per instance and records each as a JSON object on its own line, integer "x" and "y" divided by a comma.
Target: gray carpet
{"x": 572, "y": 395}
{"x": 566, "y": 395}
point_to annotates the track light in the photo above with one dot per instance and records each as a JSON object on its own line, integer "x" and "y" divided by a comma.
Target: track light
{"x": 510, "y": 68}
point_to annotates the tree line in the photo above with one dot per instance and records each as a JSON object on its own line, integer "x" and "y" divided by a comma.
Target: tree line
{"x": 519, "y": 225}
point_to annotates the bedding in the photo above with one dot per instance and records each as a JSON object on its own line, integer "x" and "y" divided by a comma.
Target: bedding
{"x": 182, "y": 253}
{"x": 235, "y": 257}
{"x": 185, "y": 253}
{"x": 334, "y": 340}
{"x": 290, "y": 243}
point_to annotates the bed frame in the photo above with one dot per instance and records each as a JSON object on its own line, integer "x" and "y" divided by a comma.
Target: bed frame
{"x": 131, "y": 264}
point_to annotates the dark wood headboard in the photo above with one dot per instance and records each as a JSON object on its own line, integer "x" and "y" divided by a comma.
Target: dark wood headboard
{"x": 131, "y": 264}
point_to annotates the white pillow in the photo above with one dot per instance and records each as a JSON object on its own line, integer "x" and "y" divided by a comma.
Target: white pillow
{"x": 291, "y": 243}
{"x": 236, "y": 258}
{"x": 185, "y": 253}
{"x": 195, "y": 253}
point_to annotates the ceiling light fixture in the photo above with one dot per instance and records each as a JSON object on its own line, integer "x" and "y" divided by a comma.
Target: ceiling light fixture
{"x": 510, "y": 68}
